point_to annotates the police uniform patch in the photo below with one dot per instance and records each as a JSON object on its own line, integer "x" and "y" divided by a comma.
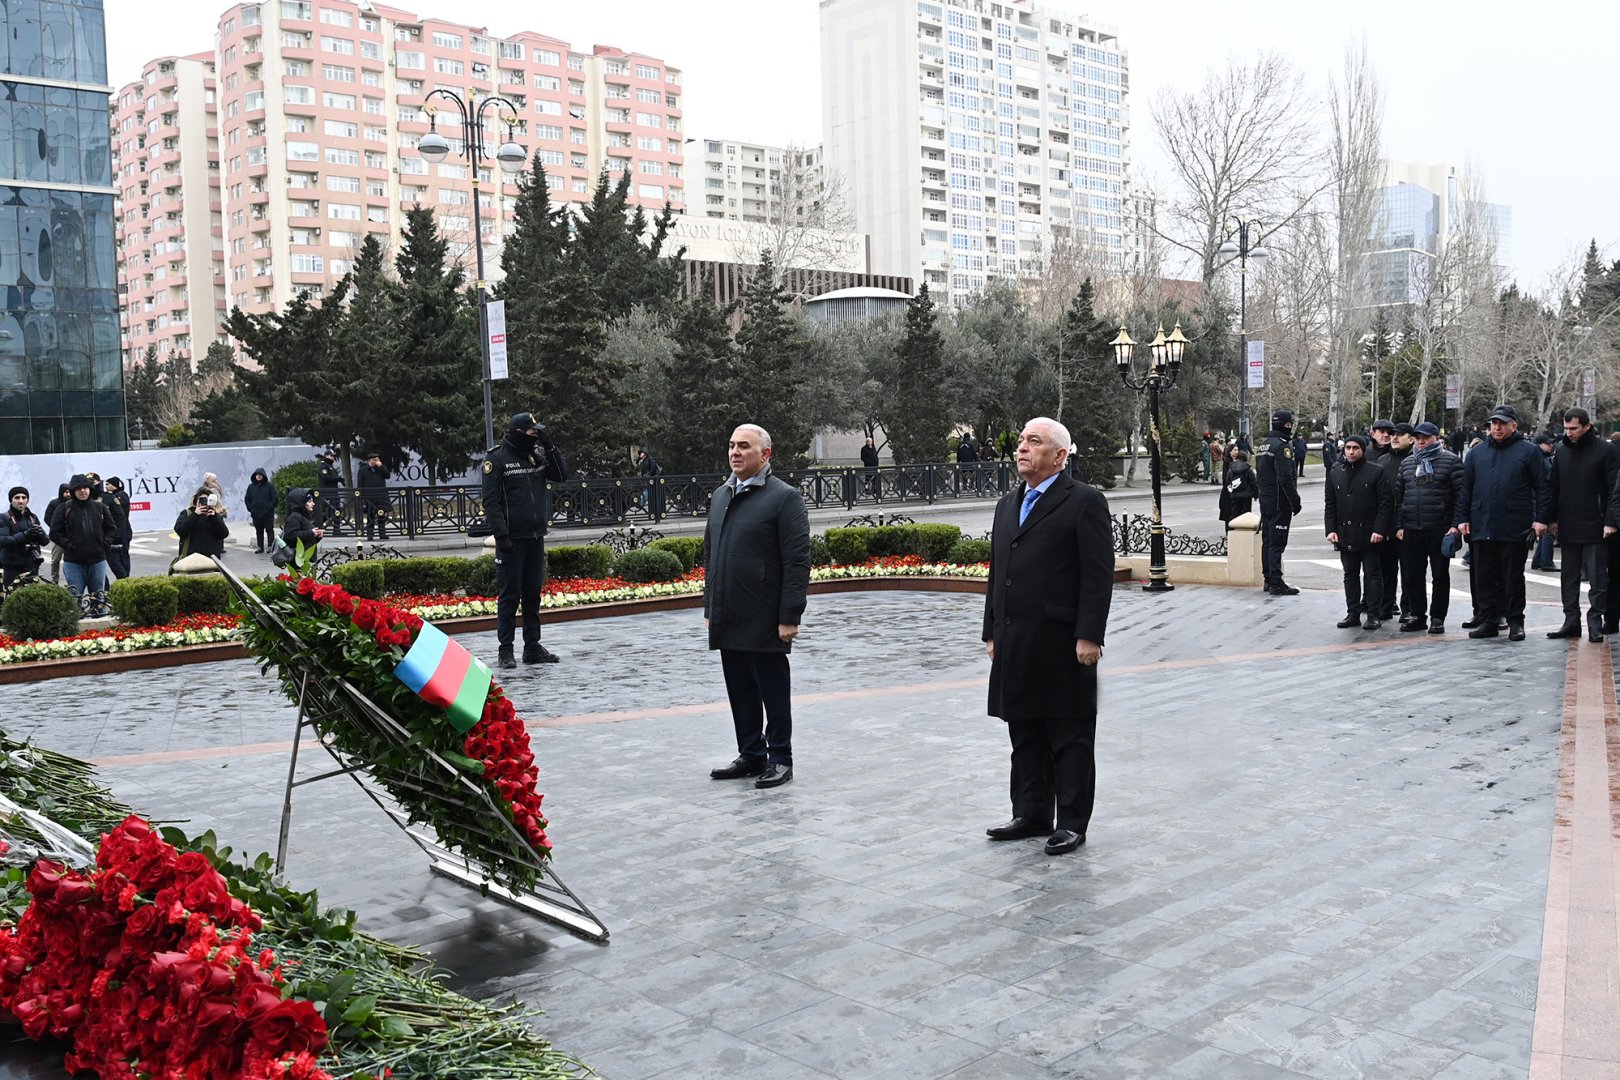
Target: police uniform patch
{"x": 489, "y": 466}
{"x": 1288, "y": 452}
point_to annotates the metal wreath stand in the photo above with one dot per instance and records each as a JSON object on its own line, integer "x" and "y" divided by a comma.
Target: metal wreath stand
{"x": 324, "y": 697}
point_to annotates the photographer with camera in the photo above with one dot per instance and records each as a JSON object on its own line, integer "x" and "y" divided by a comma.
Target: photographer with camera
{"x": 21, "y": 538}
{"x": 330, "y": 481}
{"x": 518, "y": 507}
{"x": 201, "y": 527}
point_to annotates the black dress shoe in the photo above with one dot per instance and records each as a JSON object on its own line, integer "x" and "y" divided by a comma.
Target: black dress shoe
{"x": 1596, "y": 635}
{"x": 1437, "y": 626}
{"x": 775, "y": 775}
{"x": 1469, "y": 624}
{"x": 743, "y": 766}
{"x": 1412, "y": 626}
{"x": 506, "y": 659}
{"x": 1371, "y": 623}
{"x": 1282, "y": 588}
{"x": 1351, "y": 620}
{"x": 1516, "y": 631}
{"x": 1017, "y": 829}
{"x": 539, "y": 654}
{"x": 1567, "y": 630}
{"x": 1064, "y": 841}
{"x": 1484, "y": 631}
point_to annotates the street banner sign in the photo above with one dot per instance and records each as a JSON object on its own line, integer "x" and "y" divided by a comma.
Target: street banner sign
{"x": 1257, "y": 365}
{"x": 495, "y": 320}
{"x": 1453, "y": 390}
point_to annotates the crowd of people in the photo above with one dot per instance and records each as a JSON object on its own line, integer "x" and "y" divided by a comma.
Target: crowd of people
{"x": 1401, "y": 501}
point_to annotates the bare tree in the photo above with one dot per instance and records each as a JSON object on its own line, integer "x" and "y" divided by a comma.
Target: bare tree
{"x": 807, "y": 221}
{"x": 1292, "y": 312}
{"x": 1356, "y": 108}
{"x": 1244, "y": 144}
{"x": 1564, "y": 340}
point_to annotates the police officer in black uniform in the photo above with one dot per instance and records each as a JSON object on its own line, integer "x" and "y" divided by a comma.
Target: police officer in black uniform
{"x": 517, "y": 506}
{"x": 330, "y": 482}
{"x": 1279, "y": 499}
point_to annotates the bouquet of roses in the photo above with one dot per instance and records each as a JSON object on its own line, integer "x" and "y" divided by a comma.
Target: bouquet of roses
{"x": 363, "y": 641}
{"x": 146, "y": 964}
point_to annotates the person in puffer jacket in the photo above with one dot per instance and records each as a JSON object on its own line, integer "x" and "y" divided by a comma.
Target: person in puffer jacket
{"x": 85, "y": 530}
{"x": 300, "y": 531}
{"x": 1425, "y": 510}
{"x": 260, "y": 501}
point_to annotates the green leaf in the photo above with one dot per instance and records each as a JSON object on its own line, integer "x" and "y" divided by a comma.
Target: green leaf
{"x": 395, "y": 1027}
{"x": 360, "y": 1010}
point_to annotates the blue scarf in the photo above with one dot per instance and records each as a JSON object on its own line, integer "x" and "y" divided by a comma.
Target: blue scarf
{"x": 1426, "y": 456}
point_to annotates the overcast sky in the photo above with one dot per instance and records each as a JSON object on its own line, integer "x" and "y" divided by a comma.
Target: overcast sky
{"x": 1517, "y": 90}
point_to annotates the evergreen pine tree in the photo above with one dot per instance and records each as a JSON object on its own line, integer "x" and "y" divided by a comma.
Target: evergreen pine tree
{"x": 704, "y": 385}
{"x": 1095, "y": 409}
{"x": 303, "y": 384}
{"x": 918, "y": 419}
{"x": 772, "y": 342}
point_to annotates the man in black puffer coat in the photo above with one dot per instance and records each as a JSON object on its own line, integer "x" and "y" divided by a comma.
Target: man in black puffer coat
{"x": 1359, "y": 516}
{"x": 517, "y": 506}
{"x": 1425, "y": 508}
{"x": 85, "y": 530}
{"x": 1503, "y": 481}
{"x": 1576, "y": 508}
{"x": 21, "y": 537}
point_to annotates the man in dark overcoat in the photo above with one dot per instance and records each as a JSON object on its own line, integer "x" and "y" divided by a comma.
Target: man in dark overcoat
{"x": 1577, "y": 511}
{"x": 1358, "y": 515}
{"x": 1045, "y": 613}
{"x": 1502, "y": 490}
{"x": 756, "y": 579}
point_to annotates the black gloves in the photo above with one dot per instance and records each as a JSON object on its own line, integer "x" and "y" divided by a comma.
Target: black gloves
{"x": 503, "y": 543}
{"x": 545, "y": 437}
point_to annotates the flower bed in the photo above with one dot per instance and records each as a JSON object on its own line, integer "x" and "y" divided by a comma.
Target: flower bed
{"x": 165, "y": 956}
{"x": 569, "y": 592}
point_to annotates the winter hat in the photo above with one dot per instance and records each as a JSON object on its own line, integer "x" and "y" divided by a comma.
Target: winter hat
{"x": 1359, "y": 440}
{"x": 16, "y": 491}
{"x": 1282, "y": 418}
{"x": 1505, "y": 413}
{"x": 522, "y": 422}
{"x": 1383, "y": 425}
{"x": 1427, "y": 429}
{"x": 1403, "y": 428}
{"x": 80, "y": 480}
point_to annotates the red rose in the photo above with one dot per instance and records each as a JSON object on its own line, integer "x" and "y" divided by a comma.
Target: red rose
{"x": 306, "y": 586}
{"x": 290, "y": 1027}
{"x": 343, "y": 605}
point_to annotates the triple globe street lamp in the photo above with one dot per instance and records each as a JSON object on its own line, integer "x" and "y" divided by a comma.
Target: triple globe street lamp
{"x": 512, "y": 158}
{"x": 1244, "y": 244}
{"x": 1164, "y": 365}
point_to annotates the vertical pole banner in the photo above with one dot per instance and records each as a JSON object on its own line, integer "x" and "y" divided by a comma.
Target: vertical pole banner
{"x": 1257, "y": 365}
{"x": 1453, "y": 390}
{"x": 495, "y": 320}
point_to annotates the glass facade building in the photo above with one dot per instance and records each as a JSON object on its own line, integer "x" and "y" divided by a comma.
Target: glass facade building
{"x": 61, "y": 380}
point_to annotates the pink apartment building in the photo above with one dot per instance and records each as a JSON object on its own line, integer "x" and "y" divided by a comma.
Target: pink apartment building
{"x": 318, "y": 107}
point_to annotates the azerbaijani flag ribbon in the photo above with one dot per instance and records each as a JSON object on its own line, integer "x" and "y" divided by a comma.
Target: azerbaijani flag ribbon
{"x": 443, "y": 673}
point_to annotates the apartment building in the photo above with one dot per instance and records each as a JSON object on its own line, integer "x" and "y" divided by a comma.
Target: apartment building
{"x": 1418, "y": 211}
{"x": 975, "y": 138}
{"x": 171, "y": 266}
{"x": 317, "y": 107}
{"x": 761, "y": 184}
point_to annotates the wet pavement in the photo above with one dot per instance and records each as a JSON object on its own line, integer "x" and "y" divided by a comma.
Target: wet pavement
{"x": 1316, "y": 853}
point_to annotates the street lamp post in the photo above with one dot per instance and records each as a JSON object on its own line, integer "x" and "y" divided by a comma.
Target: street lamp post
{"x": 435, "y": 148}
{"x": 1245, "y": 245}
{"x": 1164, "y": 365}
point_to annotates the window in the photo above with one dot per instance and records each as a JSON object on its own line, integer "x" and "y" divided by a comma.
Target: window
{"x": 376, "y": 134}
{"x": 297, "y": 125}
{"x": 371, "y": 50}
{"x": 253, "y": 99}
{"x": 343, "y": 183}
{"x": 300, "y": 180}
{"x": 548, "y": 133}
{"x": 303, "y": 208}
{"x": 343, "y": 211}
{"x": 337, "y": 73}
{"x": 547, "y": 58}
{"x": 293, "y": 94}
{"x": 303, "y": 151}
{"x": 250, "y": 16}
{"x": 454, "y": 197}
{"x": 649, "y": 142}
{"x": 650, "y": 191}
{"x": 547, "y": 82}
{"x": 294, "y": 41}
{"x": 343, "y": 239}
{"x": 337, "y": 101}
{"x": 335, "y": 156}
{"x": 256, "y": 155}
{"x": 308, "y": 264}
{"x": 511, "y": 50}
{"x": 297, "y": 9}
{"x": 647, "y": 71}
{"x": 296, "y": 68}
{"x": 337, "y": 45}
{"x": 410, "y": 59}
{"x": 377, "y": 188}
{"x": 576, "y": 136}
{"x": 548, "y": 108}
{"x": 446, "y": 41}
{"x": 413, "y": 166}
{"x": 336, "y": 17}
{"x": 374, "y": 160}
{"x": 374, "y": 106}
{"x": 576, "y": 63}
{"x": 649, "y": 97}
{"x": 342, "y": 129}
{"x": 377, "y": 213}
{"x": 445, "y": 66}
{"x": 652, "y": 120}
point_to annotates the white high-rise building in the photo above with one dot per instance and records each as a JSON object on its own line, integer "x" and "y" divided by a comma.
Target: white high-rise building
{"x": 976, "y": 138}
{"x": 755, "y": 182}
{"x": 1419, "y": 208}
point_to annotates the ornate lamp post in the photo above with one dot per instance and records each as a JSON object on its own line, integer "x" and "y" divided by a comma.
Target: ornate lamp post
{"x": 512, "y": 157}
{"x": 1245, "y": 245}
{"x": 1164, "y": 366}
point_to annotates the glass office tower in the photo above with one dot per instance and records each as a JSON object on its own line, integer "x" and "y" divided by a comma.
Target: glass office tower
{"x": 61, "y": 381}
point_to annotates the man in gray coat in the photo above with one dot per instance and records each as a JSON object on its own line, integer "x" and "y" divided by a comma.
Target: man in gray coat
{"x": 756, "y": 578}
{"x": 1045, "y": 612}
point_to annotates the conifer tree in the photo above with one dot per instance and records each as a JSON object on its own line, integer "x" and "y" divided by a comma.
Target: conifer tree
{"x": 705, "y": 384}
{"x": 772, "y": 345}
{"x": 918, "y": 410}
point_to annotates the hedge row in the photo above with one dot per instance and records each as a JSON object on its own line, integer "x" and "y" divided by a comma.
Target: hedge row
{"x": 850, "y": 547}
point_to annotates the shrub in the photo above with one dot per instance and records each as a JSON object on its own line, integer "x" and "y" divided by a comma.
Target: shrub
{"x": 969, "y": 552}
{"x": 648, "y": 564}
{"x": 847, "y": 547}
{"x": 588, "y": 560}
{"x": 688, "y": 549}
{"x": 933, "y": 541}
{"x": 302, "y": 474}
{"x": 363, "y": 577}
{"x": 145, "y": 601}
{"x": 206, "y": 593}
{"x": 40, "y": 611}
{"x": 885, "y": 540}
{"x": 425, "y": 576}
{"x": 481, "y": 576}
{"x": 820, "y": 553}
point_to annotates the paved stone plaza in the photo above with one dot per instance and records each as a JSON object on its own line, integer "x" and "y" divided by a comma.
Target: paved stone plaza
{"x": 1316, "y": 853}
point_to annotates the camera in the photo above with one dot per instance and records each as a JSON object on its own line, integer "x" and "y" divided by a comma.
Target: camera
{"x": 213, "y": 500}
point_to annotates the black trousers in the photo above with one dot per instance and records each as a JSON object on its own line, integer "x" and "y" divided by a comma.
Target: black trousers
{"x": 1366, "y": 563}
{"x": 1273, "y": 541}
{"x": 1594, "y": 559}
{"x": 376, "y": 520}
{"x": 1389, "y": 562}
{"x": 1421, "y": 555}
{"x": 520, "y": 573}
{"x": 264, "y": 533}
{"x": 1054, "y": 764}
{"x": 760, "y": 687}
{"x": 1499, "y": 569}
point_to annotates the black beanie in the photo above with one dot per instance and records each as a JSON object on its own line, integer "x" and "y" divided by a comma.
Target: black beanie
{"x": 16, "y": 491}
